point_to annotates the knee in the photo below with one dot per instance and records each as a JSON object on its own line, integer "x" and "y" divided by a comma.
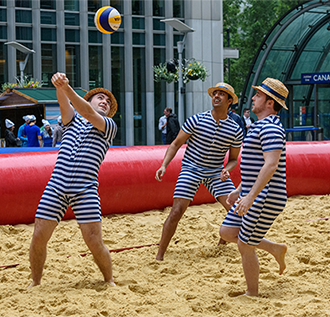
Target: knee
{"x": 228, "y": 234}
{"x": 245, "y": 248}
{"x": 175, "y": 215}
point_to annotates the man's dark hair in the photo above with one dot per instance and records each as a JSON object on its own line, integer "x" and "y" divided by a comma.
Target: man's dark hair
{"x": 277, "y": 106}
{"x": 246, "y": 109}
{"x": 168, "y": 109}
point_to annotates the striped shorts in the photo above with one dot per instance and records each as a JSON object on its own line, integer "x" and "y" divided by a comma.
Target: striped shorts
{"x": 188, "y": 183}
{"x": 255, "y": 224}
{"x": 54, "y": 204}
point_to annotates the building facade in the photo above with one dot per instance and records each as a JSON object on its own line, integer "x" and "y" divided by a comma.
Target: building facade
{"x": 64, "y": 38}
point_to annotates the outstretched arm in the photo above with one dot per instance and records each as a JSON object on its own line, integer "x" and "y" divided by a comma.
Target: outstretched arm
{"x": 171, "y": 152}
{"x": 61, "y": 82}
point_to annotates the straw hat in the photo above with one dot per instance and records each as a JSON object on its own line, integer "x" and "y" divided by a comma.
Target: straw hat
{"x": 226, "y": 88}
{"x": 113, "y": 107}
{"x": 274, "y": 89}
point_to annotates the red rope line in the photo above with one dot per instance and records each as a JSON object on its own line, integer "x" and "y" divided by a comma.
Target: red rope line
{"x": 84, "y": 254}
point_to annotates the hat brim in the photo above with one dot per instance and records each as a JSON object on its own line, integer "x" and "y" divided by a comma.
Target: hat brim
{"x": 211, "y": 90}
{"x": 268, "y": 93}
{"x": 114, "y": 105}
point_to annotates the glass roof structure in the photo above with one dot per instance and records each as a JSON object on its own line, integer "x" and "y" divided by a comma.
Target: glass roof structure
{"x": 298, "y": 43}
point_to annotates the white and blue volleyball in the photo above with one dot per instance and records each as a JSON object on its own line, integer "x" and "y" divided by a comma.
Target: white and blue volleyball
{"x": 107, "y": 20}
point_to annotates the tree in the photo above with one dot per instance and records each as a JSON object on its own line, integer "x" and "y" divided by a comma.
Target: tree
{"x": 249, "y": 21}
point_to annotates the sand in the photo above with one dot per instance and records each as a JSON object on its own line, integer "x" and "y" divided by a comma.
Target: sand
{"x": 197, "y": 278}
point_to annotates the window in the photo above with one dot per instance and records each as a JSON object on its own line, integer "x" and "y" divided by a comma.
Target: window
{"x": 23, "y": 3}
{"x": 23, "y": 16}
{"x": 117, "y": 38}
{"x": 94, "y": 5}
{"x": 47, "y": 17}
{"x": 3, "y": 15}
{"x": 117, "y": 4}
{"x": 158, "y": 8}
{"x": 48, "y": 63}
{"x": 72, "y": 63}
{"x": 118, "y": 90}
{"x": 48, "y": 4}
{"x": 3, "y": 64}
{"x": 71, "y": 5}
{"x": 138, "y": 39}
{"x": 159, "y": 93}
{"x": 159, "y": 39}
{"x": 158, "y": 25}
{"x": 23, "y": 33}
{"x": 139, "y": 95}
{"x": 94, "y": 37}
{"x": 178, "y": 8}
{"x": 71, "y": 18}
{"x": 138, "y": 23}
{"x": 72, "y": 35}
{"x": 95, "y": 67}
{"x": 48, "y": 34}
{"x": 137, "y": 7}
{"x": 3, "y": 32}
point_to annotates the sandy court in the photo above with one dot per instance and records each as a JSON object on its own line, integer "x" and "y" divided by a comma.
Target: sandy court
{"x": 197, "y": 278}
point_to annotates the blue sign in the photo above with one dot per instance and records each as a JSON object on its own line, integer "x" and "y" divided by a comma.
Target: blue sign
{"x": 315, "y": 78}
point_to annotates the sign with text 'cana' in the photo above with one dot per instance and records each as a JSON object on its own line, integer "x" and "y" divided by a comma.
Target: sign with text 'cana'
{"x": 315, "y": 78}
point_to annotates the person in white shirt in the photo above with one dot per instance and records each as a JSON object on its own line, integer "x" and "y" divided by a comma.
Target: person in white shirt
{"x": 162, "y": 125}
{"x": 247, "y": 120}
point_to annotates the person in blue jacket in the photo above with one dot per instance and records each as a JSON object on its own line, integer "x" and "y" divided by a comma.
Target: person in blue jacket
{"x": 20, "y": 135}
{"x": 47, "y": 134}
{"x": 32, "y": 131}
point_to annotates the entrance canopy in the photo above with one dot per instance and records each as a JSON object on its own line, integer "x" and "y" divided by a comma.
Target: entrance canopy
{"x": 299, "y": 43}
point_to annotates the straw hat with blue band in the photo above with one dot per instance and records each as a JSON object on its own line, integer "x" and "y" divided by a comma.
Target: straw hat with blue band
{"x": 274, "y": 89}
{"x": 113, "y": 107}
{"x": 226, "y": 88}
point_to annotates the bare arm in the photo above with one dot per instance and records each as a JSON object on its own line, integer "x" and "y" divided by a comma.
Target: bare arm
{"x": 61, "y": 82}
{"x": 171, "y": 152}
{"x": 267, "y": 171}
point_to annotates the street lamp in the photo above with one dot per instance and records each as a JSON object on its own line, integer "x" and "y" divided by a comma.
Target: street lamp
{"x": 183, "y": 28}
{"x": 24, "y": 50}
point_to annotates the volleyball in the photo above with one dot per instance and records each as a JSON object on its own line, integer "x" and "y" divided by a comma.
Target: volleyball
{"x": 107, "y": 20}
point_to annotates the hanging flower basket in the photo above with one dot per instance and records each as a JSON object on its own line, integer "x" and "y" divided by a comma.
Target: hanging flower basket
{"x": 192, "y": 71}
{"x": 27, "y": 83}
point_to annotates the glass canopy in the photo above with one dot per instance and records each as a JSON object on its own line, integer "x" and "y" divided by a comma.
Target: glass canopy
{"x": 298, "y": 43}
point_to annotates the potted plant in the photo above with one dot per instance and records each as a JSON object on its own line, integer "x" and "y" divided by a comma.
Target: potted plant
{"x": 26, "y": 83}
{"x": 170, "y": 71}
{"x": 196, "y": 70}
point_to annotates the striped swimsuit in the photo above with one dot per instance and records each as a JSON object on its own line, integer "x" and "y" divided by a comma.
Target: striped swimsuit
{"x": 264, "y": 135}
{"x": 74, "y": 181}
{"x": 205, "y": 153}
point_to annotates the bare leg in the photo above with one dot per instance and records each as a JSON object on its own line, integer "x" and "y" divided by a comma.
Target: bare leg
{"x": 277, "y": 250}
{"x": 92, "y": 234}
{"x": 180, "y": 205}
{"x": 43, "y": 230}
{"x": 223, "y": 201}
{"x": 250, "y": 267}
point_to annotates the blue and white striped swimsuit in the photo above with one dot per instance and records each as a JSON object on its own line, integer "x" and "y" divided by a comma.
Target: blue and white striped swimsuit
{"x": 205, "y": 154}
{"x": 265, "y": 135}
{"x": 74, "y": 181}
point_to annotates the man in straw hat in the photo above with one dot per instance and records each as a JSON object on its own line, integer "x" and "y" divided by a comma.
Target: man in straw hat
{"x": 261, "y": 196}
{"x": 74, "y": 181}
{"x": 210, "y": 134}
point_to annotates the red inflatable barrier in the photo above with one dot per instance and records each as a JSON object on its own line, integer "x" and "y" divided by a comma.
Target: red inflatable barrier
{"x": 127, "y": 179}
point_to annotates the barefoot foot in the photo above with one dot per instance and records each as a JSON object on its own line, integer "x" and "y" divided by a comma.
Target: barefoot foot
{"x": 280, "y": 257}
